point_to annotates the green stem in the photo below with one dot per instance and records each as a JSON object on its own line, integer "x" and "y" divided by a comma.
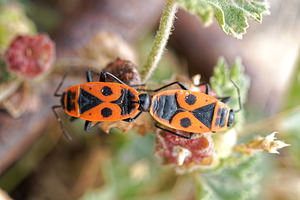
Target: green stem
{"x": 161, "y": 38}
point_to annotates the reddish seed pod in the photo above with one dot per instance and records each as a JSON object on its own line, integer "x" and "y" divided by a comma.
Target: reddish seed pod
{"x": 176, "y": 151}
{"x": 30, "y": 56}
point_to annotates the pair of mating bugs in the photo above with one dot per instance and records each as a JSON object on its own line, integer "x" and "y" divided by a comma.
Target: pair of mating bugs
{"x": 180, "y": 109}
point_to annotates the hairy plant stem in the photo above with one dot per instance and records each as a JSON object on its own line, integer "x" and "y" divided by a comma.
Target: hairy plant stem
{"x": 161, "y": 38}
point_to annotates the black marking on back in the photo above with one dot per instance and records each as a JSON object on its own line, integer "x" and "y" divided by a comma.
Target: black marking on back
{"x": 190, "y": 99}
{"x": 217, "y": 122}
{"x": 106, "y": 91}
{"x": 106, "y": 112}
{"x": 154, "y": 104}
{"x": 120, "y": 102}
{"x": 166, "y": 107}
{"x": 125, "y": 102}
{"x": 219, "y": 111}
{"x": 87, "y": 101}
{"x": 177, "y": 104}
{"x": 129, "y": 104}
{"x": 70, "y": 96}
{"x": 205, "y": 114}
{"x": 223, "y": 117}
{"x": 185, "y": 122}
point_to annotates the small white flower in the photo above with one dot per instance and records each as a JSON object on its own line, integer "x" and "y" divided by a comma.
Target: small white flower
{"x": 271, "y": 137}
{"x": 181, "y": 154}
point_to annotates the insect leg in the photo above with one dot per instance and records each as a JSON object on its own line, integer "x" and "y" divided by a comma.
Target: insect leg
{"x": 224, "y": 99}
{"x": 88, "y": 124}
{"x": 132, "y": 119}
{"x": 169, "y": 131}
{"x": 163, "y": 87}
{"x": 102, "y": 76}
{"x": 72, "y": 119}
{"x": 60, "y": 122}
{"x": 207, "y": 89}
{"x": 89, "y": 77}
{"x": 113, "y": 76}
{"x": 138, "y": 85}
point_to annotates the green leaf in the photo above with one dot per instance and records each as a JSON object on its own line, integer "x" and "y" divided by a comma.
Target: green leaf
{"x": 231, "y": 14}
{"x": 239, "y": 178}
{"x": 223, "y": 87}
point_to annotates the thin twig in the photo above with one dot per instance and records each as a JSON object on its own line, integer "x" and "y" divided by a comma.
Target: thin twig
{"x": 161, "y": 39}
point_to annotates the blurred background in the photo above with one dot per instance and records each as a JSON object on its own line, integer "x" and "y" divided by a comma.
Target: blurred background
{"x": 36, "y": 162}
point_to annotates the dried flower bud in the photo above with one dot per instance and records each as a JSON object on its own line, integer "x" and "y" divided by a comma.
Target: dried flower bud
{"x": 125, "y": 70}
{"x": 174, "y": 150}
{"x": 30, "y": 56}
{"x": 268, "y": 144}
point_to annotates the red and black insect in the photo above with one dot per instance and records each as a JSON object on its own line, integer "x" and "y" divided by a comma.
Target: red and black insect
{"x": 98, "y": 101}
{"x": 190, "y": 111}
{"x": 181, "y": 109}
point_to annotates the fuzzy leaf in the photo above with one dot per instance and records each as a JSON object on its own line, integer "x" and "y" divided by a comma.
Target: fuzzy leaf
{"x": 238, "y": 179}
{"x": 223, "y": 87}
{"x": 231, "y": 15}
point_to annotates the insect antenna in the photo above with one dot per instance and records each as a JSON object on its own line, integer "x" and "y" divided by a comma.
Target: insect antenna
{"x": 61, "y": 83}
{"x": 239, "y": 95}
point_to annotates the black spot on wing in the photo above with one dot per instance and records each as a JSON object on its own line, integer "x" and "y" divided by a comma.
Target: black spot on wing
{"x": 87, "y": 101}
{"x": 106, "y": 112}
{"x": 185, "y": 122}
{"x": 106, "y": 91}
{"x": 205, "y": 114}
{"x": 190, "y": 99}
